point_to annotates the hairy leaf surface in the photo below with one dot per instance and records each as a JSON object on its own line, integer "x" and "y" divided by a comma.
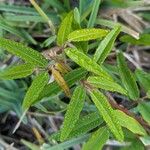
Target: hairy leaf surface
{"x": 107, "y": 113}
{"x": 106, "y": 45}
{"x": 16, "y": 72}
{"x": 129, "y": 123}
{"x": 73, "y": 111}
{"x": 26, "y": 53}
{"x": 35, "y": 89}
{"x": 87, "y": 34}
{"x": 97, "y": 139}
{"x": 65, "y": 29}
{"x": 86, "y": 62}
{"x": 105, "y": 84}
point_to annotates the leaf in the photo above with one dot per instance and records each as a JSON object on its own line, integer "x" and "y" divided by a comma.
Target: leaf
{"x": 65, "y": 29}
{"x": 143, "y": 39}
{"x": 30, "y": 145}
{"x": 86, "y": 62}
{"x": 106, "y": 45}
{"x": 97, "y": 139}
{"x": 86, "y": 34}
{"x": 127, "y": 77}
{"x": 82, "y": 126}
{"x": 44, "y": 16}
{"x": 70, "y": 78}
{"x": 111, "y": 24}
{"x": 69, "y": 143}
{"x": 73, "y": 111}
{"x": 16, "y": 31}
{"x": 94, "y": 13}
{"x": 35, "y": 89}
{"x": 145, "y": 140}
{"x": 107, "y": 113}
{"x": 61, "y": 82}
{"x": 144, "y": 109}
{"x": 143, "y": 78}
{"x": 26, "y": 53}
{"x": 56, "y": 4}
{"x": 129, "y": 123}
{"x": 18, "y": 71}
{"x": 103, "y": 83}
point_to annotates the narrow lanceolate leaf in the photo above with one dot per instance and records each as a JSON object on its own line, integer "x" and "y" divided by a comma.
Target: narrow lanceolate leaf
{"x": 105, "y": 84}
{"x": 97, "y": 139}
{"x": 82, "y": 126}
{"x": 129, "y": 123}
{"x": 106, "y": 45}
{"x": 107, "y": 113}
{"x": 86, "y": 62}
{"x": 144, "y": 109}
{"x": 73, "y": 111}
{"x": 16, "y": 72}
{"x": 61, "y": 82}
{"x": 26, "y": 53}
{"x": 127, "y": 77}
{"x": 35, "y": 89}
{"x": 94, "y": 12}
{"x": 65, "y": 29}
{"x": 87, "y": 34}
{"x": 143, "y": 78}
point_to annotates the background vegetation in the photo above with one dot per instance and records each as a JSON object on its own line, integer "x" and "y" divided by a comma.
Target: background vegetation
{"x": 77, "y": 76}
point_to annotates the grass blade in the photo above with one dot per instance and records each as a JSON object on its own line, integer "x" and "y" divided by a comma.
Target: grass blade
{"x": 93, "y": 13}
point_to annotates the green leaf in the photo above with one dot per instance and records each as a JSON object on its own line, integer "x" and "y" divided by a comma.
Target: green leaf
{"x": 65, "y": 29}
{"x": 69, "y": 143}
{"x": 16, "y": 72}
{"x": 97, "y": 139}
{"x": 35, "y": 89}
{"x": 105, "y": 84}
{"x": 56, "y": 4}
{"x": 107, "y": 113}
{"x": 70, "y": 78}
{"x": 86, "y": 62}
{"x": 16, "y": 31}
{"x": 144, "y": 109}
{"x": 87, "y": 34}
{"x": 129, "y": 123}
{"x": 86, "y": 124}
{"x": 143, "y": 40}
{"x": 73, "y": 111}
{"x": 127, "y": 77}
{"x": 26, "y": 53}
{"x": 30, "y": 145}
{"x": 94, "y": 13}
{"x": 143, "y": 78}
{"x": 82, "y": 126}
{"x": 145, "y": 140}
{"x": 106, "y": 45}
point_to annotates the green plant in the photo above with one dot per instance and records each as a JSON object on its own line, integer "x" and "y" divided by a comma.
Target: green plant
{"x": 85, "y": 80}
